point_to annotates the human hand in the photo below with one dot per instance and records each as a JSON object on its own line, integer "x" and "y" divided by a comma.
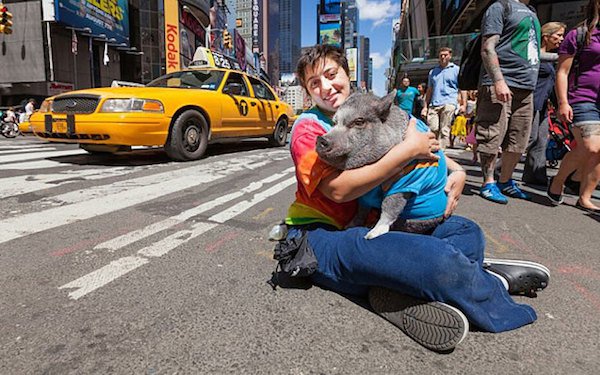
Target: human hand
{"x": 454, "y": 188}
{"x": 423, "y": 145}
{"x": 503, "y": 93}
{"x": 565, "y": 112}
{"x": 462, "y": 110}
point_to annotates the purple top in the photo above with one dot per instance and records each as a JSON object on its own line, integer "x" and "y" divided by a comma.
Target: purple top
{"x": 588, "y": 89}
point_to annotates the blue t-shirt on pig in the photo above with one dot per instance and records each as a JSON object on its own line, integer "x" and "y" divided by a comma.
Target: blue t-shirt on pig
{"x": 426, "y": 179}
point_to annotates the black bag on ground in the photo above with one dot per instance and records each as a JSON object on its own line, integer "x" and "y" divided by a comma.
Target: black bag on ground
{"x": 295, "y": 258}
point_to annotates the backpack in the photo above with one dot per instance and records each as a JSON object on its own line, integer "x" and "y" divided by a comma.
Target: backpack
{"x": 470, "y": 61}
{"x": 575, "y": 70}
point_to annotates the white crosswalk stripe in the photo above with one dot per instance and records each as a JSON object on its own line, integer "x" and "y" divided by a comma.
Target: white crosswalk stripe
{"x": 64, "y": 202}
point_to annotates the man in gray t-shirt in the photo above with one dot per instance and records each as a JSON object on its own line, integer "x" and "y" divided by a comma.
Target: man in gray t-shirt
{"x": 510, "y": 55}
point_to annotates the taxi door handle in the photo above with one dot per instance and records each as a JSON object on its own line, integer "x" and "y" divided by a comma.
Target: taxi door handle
{"x": 276, "y": 105}
{"x": 253, "y": 104}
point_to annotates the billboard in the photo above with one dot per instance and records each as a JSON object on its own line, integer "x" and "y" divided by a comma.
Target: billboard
{"x": 331, "y": 7}
{"x": 172, "y": 36}
{"x": 352, "y": 57}
{"x": 255, "y": 26}
{"x": 330, "y": 33}
{"x": 240, "y": 49}
{"x": 108, "y": 17}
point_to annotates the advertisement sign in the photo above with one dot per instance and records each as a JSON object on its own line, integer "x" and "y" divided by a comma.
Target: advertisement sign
{"x": 331, "y": 7}
{"x": 325, "y": 18}
{"x": 108, "y": 17}
{"x": 352, "y": 57}
{"x": 240, "y": 49}
{"x": 55, "y": 88}
{"x": 330, "y": 33}
{"x": 255, "y": 26}
{"x": 172, "y": 36}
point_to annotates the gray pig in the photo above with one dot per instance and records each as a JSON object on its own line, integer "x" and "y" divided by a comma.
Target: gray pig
{"x": 366, "y": 128}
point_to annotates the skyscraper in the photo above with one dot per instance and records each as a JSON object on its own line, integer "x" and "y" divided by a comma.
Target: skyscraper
{"x": 350, "y": 23}
{"x": 289, "y": 34}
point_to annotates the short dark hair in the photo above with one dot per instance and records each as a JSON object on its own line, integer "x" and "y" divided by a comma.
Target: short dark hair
{"x": 313, "y": 55}
{"x": 446, "y": 49}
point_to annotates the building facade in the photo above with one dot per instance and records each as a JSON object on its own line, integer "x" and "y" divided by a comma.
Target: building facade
{"x": 290, "y": 29}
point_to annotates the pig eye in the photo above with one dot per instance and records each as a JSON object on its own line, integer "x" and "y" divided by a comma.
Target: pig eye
{"x": 358, "y": 122}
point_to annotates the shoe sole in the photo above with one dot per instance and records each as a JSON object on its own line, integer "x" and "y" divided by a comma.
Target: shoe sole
{"x": 554, "y": 201}
{"x": 493, "y": 200}
{"x": 434, "y": 325}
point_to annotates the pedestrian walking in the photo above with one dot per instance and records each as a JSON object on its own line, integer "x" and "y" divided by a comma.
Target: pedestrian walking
{"x": 510, "y": 56}
{"x": 420, "y": 101}
{"x": 442, "y": 96}
{"x": 534, "y": 171}
{"x": 406, "y": 95}
{"x": 578, "y": 92}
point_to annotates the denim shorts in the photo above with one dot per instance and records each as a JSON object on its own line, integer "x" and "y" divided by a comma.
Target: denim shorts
{"x": 586, "y": 116}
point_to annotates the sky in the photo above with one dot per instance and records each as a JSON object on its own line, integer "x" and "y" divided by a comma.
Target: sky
{"x": 375, "y": 23}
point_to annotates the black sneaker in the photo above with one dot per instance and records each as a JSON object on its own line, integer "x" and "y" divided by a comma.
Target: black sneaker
{"x": 523, "y": 277}
{"x": 435, "y": 325}
{"x": 555, "y": 199}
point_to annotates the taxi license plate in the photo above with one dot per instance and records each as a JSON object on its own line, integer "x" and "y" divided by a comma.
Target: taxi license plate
{"x": 60, "y": 126}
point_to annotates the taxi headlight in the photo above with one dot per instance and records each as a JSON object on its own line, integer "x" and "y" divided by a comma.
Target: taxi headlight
{"x": 45, "y": 107}
{"x": 132, "y": 105}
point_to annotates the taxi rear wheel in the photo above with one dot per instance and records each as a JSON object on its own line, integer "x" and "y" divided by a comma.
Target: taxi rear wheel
{"x": 279, "y": 136}
{"x": 188, "y": 137}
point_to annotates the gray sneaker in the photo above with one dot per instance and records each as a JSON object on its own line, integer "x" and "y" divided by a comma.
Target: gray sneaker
{"x": 434, "y": 325}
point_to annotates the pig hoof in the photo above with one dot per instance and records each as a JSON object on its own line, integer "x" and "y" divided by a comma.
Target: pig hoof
{"x": 376, "y": 232}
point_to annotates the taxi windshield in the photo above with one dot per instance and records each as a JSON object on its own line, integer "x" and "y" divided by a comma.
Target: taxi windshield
{"x": 195, "y": 79}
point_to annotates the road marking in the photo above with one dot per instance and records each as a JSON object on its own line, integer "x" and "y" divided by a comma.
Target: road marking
{"x": 92, "y": 202}
{"x": 38, "y": 149}
{"x": 264, "y": 213}
{"x": 18, "y": 185}
{"x": 39, "y": 155}
{"x": 122, "y": 266}
{"x": 103, "y": 276}
{"x": 136, "y": 235}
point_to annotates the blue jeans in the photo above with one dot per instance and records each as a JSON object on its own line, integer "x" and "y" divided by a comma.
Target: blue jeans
{"x": 445, "y": 266}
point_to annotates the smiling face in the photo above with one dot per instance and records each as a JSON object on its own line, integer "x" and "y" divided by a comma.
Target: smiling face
{"x": 327, "y": 84}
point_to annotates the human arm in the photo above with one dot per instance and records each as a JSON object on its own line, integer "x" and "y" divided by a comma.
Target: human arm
{"x": 490, "y": 61}
{"x": 428, "y": 94}
{"x": 455, "y": 184}
{"x": 565, "y": 112}
{"x": 344, "y": 186}
{"x": 462, "y": 102}
{"x": 548, "y": 56}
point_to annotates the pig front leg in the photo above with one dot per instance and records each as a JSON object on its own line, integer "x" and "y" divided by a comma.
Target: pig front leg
{"x": 391, "y": 207}
{"x": 360, "y": 218}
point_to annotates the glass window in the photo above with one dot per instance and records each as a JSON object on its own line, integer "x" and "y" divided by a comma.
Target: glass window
{"x": 237, "y": 78}
{"x": 194, "y": 79}
{"x": 261, "y": 90}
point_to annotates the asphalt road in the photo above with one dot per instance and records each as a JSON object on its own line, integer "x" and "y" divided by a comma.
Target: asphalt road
{"x": 132, "y": 264}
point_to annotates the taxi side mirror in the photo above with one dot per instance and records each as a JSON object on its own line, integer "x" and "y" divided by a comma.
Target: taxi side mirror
{"x": 233, "y": 89}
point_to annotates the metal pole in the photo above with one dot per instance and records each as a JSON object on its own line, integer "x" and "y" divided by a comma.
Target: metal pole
{"x": 91, "y": 51}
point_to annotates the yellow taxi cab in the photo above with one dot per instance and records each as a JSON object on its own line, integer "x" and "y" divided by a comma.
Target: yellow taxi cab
{"x": 182, "y": 111}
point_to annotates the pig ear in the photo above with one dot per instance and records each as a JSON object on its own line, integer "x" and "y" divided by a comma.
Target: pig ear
{"x": 385, "y": 104}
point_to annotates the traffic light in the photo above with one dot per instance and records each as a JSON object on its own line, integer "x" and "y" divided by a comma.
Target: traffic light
{"x": 227, "y": 42}
{"x": 5, "y": 20}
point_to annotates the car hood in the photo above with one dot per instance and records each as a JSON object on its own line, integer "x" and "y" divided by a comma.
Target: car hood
{"x": 136, "y": 92}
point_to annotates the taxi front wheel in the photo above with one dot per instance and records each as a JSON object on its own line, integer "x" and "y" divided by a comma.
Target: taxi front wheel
{"x": 279, "y": 136}
{"x": 188, "y": 137}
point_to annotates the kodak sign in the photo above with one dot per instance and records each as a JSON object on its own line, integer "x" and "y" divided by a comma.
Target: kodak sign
{"x": 172, "y": 36}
